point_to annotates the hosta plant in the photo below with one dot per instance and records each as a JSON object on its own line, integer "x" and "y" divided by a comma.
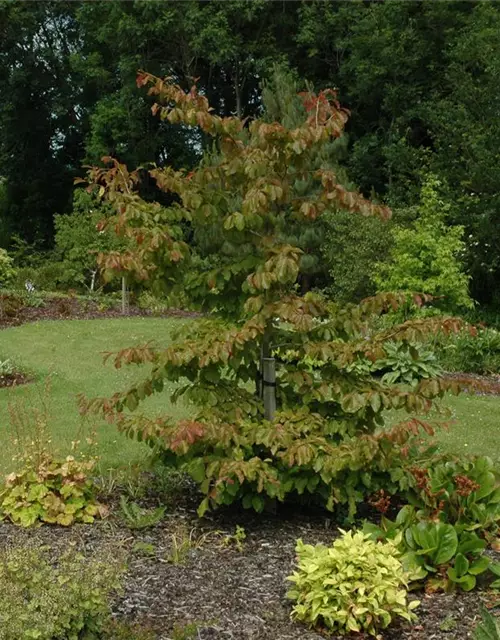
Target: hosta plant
{"x": 7, "y": 368}
{"x": 407, "y": 363}
{"x": 260, "y": 431}
{"x": 357, "y": 585}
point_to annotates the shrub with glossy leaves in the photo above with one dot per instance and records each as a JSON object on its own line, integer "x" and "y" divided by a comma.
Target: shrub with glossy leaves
{"x": 357, "y": 585}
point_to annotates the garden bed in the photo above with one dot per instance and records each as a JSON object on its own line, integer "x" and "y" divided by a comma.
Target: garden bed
{"x": 227, "y": 593}
{"x": 477, "y": 384}
{"x": 64, "y": 308}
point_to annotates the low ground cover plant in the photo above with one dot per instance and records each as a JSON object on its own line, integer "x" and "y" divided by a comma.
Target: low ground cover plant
{"x": 46, "y": 487}
{"x": 138, "y": 518}
{"x": 45, "y": 597}
{"x": 356, "y": 585}
{"x": 463, "y": 491}
{"x": 436, "y": 555}
{"x": 55, "y": 491}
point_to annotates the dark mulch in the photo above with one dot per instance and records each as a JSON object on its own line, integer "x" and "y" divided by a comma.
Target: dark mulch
{"x": 74, "y": 308}
{"x": 230, "y": 594}
{"x": 478, "y": 384}
{"x": 14, "y": 379}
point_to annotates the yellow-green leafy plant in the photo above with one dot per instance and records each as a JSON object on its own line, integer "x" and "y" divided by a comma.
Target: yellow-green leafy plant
{"x": 356, "y": 585}
{"x": 44, "y": 599}
{"x": 46, "y": 487}
{"x": 7, "y": 271}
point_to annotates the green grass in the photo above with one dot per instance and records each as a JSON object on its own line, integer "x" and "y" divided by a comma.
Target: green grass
{"x": 473, "y": 425}
{"x": 70, "y": 352}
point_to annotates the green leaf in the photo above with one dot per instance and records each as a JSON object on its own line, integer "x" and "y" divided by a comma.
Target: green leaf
{"x": 203, "y": 507}
{"x": 479, "y": 566}
{"x": 196, "y": 469}
{"x": 461, "y": 565}
{"x": 131, "y": 401}
{"x": 258, "y": 503}
{"x": 489, "y": 628}
{"x": 471, "y": 543}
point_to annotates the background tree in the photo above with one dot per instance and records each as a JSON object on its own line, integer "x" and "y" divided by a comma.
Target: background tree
{"x": 427, "y": 257}
{"x": 79, "y": 240}
{"x": 421, "y": 81}
{"x": 40, "y": 139}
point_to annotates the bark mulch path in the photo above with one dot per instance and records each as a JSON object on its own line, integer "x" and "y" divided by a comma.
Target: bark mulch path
{"x": 228, "y": 594}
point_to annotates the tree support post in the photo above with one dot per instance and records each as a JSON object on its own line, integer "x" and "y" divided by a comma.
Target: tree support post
{"x": 269, "y": 387}
{"x": 124, "y": 296}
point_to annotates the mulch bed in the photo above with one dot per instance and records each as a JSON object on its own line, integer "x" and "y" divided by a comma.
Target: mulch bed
{"x": 476, "y": 384}
{"x": 230, "y": 594}
{"x": 13, "y": 380}
{"x": 75, "y": 309}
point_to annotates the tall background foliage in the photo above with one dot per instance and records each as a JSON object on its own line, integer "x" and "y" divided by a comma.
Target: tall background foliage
{"x": 420, "y": 78}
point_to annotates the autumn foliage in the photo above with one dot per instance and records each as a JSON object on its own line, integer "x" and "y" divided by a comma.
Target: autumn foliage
{"x": 325, "y": 440}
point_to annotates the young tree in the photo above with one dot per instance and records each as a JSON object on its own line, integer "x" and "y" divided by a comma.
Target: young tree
{"x": 79, "y": 241}
{"x": 322, "y": 435}
{"x": 427, "y": 256}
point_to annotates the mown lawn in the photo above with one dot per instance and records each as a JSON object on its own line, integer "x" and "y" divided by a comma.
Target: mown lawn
{"x": 70, "y": 352}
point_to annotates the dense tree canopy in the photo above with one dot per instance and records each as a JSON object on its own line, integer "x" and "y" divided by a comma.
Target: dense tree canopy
{"x": 420, "y": 78}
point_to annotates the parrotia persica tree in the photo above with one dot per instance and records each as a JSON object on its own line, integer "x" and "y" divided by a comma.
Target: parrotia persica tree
{"x": 322, "y": 439}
